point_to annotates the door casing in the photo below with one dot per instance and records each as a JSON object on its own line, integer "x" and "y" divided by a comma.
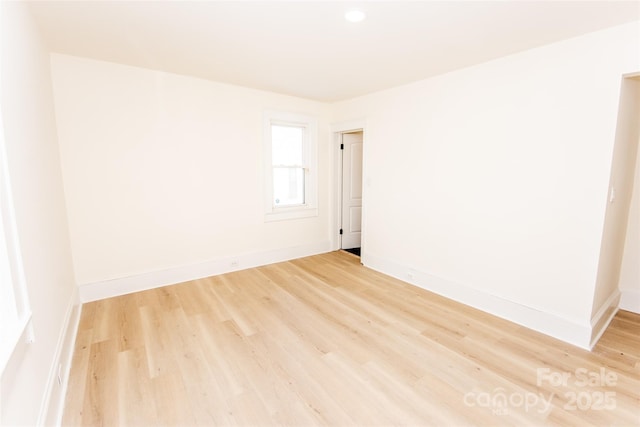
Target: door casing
{"x": 337, "y": 130}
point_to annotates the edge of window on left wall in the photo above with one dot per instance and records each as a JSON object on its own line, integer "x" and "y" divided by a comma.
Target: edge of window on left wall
{"x": 16, "y": 314}
{"x": 22, "y": 333}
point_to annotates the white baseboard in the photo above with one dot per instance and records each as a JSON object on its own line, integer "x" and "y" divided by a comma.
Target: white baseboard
{"x": 630, "y": 300}
{"x": 53, "y": 402}
{"x": 140, "y": 282}
{"x": 567, "y": 330}
{"x": 601, "y": 319}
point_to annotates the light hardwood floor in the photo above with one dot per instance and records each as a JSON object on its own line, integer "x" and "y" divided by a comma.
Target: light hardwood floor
{"x": 325, "y": 341}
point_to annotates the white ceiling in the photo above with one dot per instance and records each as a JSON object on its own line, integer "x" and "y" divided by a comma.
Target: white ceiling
{"x": 306, "y": 48}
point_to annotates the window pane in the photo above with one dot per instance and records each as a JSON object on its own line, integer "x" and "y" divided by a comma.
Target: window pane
{"x": 286, "y": 145}
{"x": 288, "y": 186}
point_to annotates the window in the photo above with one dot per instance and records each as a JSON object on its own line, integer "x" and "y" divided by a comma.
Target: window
{"x": 290, "y": 166}
{"x": 14, "y": 309}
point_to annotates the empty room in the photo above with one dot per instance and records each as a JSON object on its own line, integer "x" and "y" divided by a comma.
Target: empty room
{"x": 374, "y": 213}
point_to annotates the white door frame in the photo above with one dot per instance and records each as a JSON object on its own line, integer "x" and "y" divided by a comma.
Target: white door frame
{"x": 337, "y": 130}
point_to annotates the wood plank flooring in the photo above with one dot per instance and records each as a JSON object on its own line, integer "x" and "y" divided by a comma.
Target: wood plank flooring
{"x": 325, "y": 341}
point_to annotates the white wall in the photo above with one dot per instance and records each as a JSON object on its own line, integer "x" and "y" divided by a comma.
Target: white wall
{"x": 489, "y": 184}
{"x": 630, "y": 270}
{"x": 163, "y": 172}
{"x": 28, "y": 383}
{"x": 620, "y": 190}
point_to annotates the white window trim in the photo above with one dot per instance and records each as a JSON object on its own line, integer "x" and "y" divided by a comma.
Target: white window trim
{"x": 310, "y": 207}
{"x": 16, "y": 328}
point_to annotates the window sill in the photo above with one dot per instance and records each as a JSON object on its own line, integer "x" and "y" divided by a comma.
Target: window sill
{"x": 282, "y": 214}
{"x": 22, "y": 333}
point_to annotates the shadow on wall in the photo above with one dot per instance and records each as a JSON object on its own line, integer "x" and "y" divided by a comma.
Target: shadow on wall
{"x": 623, "y": 165}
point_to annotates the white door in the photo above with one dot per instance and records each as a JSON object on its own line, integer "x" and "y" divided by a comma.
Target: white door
{"x": 351, "y": 189}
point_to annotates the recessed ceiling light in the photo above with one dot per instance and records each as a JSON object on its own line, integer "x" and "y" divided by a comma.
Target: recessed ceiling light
{"x": 355, "y": 16}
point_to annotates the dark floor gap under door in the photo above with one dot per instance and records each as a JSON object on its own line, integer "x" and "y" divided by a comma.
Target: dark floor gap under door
{"x": 355, "y": 251}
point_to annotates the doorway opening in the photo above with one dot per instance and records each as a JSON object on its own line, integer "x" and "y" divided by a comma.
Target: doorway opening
{"x": 351, "y": 145}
